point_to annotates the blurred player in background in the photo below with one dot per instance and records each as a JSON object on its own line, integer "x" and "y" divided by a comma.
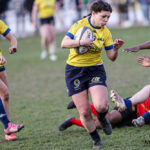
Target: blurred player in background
{"x": 85, "y": 73}
{"x": 4, "y": 91}
{"x": 46, "y": 10}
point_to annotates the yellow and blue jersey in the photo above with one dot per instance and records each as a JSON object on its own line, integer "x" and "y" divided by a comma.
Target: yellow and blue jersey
{"x": 46, "y": 7}
{"x": 102, "y": 37}
{"x": 4, "y": 30}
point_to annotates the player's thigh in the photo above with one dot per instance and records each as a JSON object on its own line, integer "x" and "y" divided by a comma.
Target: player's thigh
{"x": 81, "y": 101}
{"x": 52, "y": 31}
{"x": 99, "y": 95}
{"x": 3, "y": 77}
{"x": 44, "y": 30}
{"x": 3, "y": 89}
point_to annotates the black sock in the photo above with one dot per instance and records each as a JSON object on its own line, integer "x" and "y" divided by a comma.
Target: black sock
{"x": 101, "y": 116}
{"x": 95, "y": 136}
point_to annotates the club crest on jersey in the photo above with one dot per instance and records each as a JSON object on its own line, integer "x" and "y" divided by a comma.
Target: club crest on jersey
{"x": 77, "y": 84}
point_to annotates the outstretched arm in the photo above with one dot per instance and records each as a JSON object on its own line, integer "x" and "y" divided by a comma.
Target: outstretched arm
{"x": 13, "y": 43}
{"x": 136, "y": 48}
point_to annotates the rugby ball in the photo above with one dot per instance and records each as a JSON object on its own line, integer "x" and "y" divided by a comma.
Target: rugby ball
{"x": 80, "y": 35}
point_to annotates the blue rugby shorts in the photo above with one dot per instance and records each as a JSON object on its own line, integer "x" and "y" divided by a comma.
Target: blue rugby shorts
{"x": 79, "y": 79}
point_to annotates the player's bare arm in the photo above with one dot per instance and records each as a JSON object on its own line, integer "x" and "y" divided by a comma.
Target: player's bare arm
{"x": 67, "y": 42}
{"x": 136, "y": 48}
{"x": 13, "y": 43}
{"x": 112, "y": 54}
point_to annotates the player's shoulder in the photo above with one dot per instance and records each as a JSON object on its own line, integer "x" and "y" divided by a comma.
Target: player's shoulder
{"x": 37, "y": 1}
{"x": 106, "y": 31}
{"x": 105, "y": 28}
{"x": 2, "y": 23}
{"x": 82, "y": 22}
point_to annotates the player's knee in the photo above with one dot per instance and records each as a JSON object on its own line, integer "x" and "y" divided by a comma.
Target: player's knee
{"x": 102, "y": 108}
{"x": 85, "y": 114}
{"x": 6, "y": 96}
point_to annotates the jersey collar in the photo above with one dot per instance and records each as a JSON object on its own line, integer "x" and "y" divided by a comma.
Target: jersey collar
{"x": 92, "y": 25}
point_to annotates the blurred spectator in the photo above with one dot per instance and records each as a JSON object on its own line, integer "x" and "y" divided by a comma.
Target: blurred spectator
{"x": 132, "y": 8}
{"x": 122, "y": 10}
{"x": 59, "y": 12}
{"x": 79, "y": 7}
{"x": 145, "y": 8}
{"x": 28, "y": 4}
{"x": 18, "y": 6}
{"x": 3, "y": 8}
{"x": 86, "y": 7}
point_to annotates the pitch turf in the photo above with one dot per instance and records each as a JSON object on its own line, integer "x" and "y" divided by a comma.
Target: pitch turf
{"x": 39, "y": 97}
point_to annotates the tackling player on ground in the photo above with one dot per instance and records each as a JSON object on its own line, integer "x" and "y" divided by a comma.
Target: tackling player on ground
{"x": 116, "y": 118}
{"x": 142, "y": 95}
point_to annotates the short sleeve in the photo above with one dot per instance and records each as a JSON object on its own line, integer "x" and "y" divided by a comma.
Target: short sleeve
{"x": 4, "y": 30}
{"x": 72, "y": 31}
{"x": 108, "y": 42}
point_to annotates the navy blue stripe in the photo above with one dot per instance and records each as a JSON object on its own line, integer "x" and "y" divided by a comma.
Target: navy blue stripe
{"x": 92, "y": 25}
{"x": 6, "y": 32}
{"x": 70, "y": 35}
{"x": 109, "y": 47}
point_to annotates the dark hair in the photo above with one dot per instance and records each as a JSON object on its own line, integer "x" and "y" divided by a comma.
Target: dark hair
{"x": 99, "y": 6}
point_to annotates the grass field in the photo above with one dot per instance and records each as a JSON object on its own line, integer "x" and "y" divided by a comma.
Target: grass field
{"x": 39, "y": 97}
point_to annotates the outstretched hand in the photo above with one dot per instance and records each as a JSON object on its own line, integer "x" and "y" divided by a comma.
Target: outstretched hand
{"x": 144, "y": 61}
{"x": 132, "y": 49}
{"x": 86, "y": 41}
{"x": 118, "y": 43}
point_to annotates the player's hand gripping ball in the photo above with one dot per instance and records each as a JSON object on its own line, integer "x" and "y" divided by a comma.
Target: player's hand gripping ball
{"x": 80, "y": 35}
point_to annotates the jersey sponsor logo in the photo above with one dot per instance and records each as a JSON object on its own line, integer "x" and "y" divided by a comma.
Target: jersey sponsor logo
{"x": 77, "y": 84}
{"x": 101, "y": 39}
{"x": 94, "y": 49}
{"x": 95, "y": 80}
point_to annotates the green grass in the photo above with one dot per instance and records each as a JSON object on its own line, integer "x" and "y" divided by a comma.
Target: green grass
{"x": 39, "y": 98}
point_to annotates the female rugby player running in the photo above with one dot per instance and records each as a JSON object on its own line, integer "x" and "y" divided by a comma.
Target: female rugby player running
{"x": 85, "y": 73}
